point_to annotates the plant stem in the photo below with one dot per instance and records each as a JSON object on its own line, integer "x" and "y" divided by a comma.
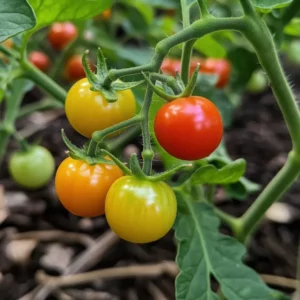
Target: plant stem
{"x": 44, "y": 81}
{"x": 186, "y": 59}
{"x": 98, "y": 136}
{"x": 203, "y": 8}
{"x": 188, "y": 46}
{"x": 248, "y": 8}
{"x": 273, "y": 192}
{"x": 147, "y": 153}
{"x": 261, "y": 38}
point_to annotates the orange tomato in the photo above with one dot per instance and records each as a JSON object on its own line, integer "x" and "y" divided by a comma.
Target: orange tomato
{"x": 82, "y": 188}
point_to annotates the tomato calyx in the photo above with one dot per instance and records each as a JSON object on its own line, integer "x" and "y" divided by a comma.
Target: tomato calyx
{"x": 186, "y": 91}
{"x": 100, "y": 82}
{"x": 93, "y": 154}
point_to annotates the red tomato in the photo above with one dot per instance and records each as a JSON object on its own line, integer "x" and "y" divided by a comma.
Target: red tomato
{"x": 40, "y": 60}
{"x": 82, "y": 188}
{"x": 171, "y": 66}
{"x": 74, "y": 69}
{"x": 61, "y": 34}
{"x": 189, "y": 128}
{"x": 220, "y": 67}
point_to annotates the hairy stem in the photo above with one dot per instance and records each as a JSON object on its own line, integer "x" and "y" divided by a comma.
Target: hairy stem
{"x": 44, "y": 81}
{"x": 261, "y": 38}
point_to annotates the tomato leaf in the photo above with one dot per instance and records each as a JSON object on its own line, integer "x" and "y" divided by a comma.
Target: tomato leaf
{"x": 203, "y": 251}
{"x": 210, "y": 47}
{"x": 50, "y": 11}
{"x": 16, "y": 16}
{"x": 270, "y": 4}
{"x": 230, "y": 173}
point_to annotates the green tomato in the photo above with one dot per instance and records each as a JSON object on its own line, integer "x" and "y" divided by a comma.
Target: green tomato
{"x": 293, "y": 52}
{"x": 32, "y": 168}
{"x": 258, "y": 82}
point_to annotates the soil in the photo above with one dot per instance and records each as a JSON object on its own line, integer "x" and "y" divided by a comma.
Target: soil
{"x": 258, "y": 134}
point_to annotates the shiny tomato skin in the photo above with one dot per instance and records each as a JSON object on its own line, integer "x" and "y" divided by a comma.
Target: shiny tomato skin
{"x": 40, "y": 60}
{"x": 189, "y": 128}
{"x": 33, "y": 168}
{"x": 220, "y": 67}
{"x": 82, "y": 188}
{"x": 88, "y": 111}
{"x": 140, "y": 211}
{"x": 74, "y": 69}
{"x": 61, "y": 34}
{"x": 171, "y": 66}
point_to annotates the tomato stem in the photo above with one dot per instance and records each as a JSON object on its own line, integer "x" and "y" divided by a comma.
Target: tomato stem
{"x": 98, "y": 136}
{"x": 147, "y": 153}
{"x": 203, "y": 8}
{"x": 259, "y": 35}
{"x": 44, "y": 81}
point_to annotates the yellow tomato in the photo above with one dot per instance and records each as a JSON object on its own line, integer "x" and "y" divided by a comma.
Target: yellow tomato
{"x": 140, "y": 211}
{"x": 89, "y": 111}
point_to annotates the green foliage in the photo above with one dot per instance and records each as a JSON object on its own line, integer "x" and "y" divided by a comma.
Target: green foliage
{"x": 49, "y": 11}
{"x": 270, "y": 4}
{"x": 204, "y": 252}
{"x": 16, "y": 16}
{"x": 211, "y": 175}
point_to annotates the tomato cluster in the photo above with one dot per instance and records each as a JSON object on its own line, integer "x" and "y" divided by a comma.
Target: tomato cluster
{"x": 138, "y": 210}
{"x": 213, "y": 66}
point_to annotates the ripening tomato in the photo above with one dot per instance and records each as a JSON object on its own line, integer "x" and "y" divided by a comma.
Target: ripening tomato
{"x": 220, "y": 67}
{"x": 40, "y": 60}
{"x": 88, "y": 111}
{"x": 140, "y": 211}
{"x": 32, "y": 168}
{"x": 293, "y": 52}
{"x": 82, "y": 188}
{"x": 61, "y": 34}
{"x": 258, "y": 82}
{"x": 8, "y": 43}
{"x": 106, "y": 14}
{"x": 189, "y": 128}
{"x": 171, "y": 66}
{"x": 74, "y": 69}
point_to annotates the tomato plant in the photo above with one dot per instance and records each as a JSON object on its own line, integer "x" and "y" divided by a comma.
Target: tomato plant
{"x": 134, "y": 95}
{"x": 89, "y": 111}
{"x": 32, "y": 168}
{"x": 61, "y": 34}
{"x": 82, "y": 188}
{"x": 189, "y": 128}
{"x": 40, "y": 60}
{"x": 140, "y": 211}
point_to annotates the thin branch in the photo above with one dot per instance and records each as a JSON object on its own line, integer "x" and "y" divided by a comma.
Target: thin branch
{"x": 279, "y": 281}
{"x": 155, "y": 270}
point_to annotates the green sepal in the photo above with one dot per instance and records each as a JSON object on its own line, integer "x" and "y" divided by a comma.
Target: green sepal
{"x": 186, "y": 90}
{"x": 168, "y": 174}
{"x": 116, "y": 161}
{"x": 74, "y": 151}
{"x": 101, "y": 82}
{"x": 121, "y": 86}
